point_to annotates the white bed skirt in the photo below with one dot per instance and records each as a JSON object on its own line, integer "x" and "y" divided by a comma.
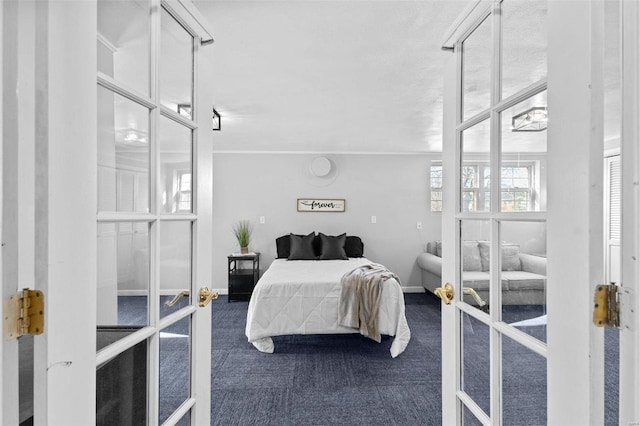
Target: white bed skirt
{"x": 302, "y": 296}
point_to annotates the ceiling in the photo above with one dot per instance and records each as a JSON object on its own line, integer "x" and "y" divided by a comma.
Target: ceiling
{"x": 329, "y": 76}
{"x": 342, "y": 76}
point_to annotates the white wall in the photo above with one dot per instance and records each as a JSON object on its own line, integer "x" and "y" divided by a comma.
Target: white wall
{"x": 391, "y": 187}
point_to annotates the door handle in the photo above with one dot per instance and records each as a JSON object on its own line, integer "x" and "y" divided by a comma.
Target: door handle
{"x": 177, "y": 297}
{"x": 206, "y": 296}
{"x": 445, "y": 293}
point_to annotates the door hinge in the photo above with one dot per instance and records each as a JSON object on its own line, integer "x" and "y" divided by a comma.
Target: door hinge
{"x": 606, "y": 309}
{"x": 24, "y": 314}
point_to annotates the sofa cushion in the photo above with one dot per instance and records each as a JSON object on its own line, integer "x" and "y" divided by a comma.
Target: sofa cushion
{"x": 477, "y": 280}
{"x": 510, "y": 256}
{"x": 520, "y": 280}
{"x": 439, "y": 248}
{"x": 471, "y": 256}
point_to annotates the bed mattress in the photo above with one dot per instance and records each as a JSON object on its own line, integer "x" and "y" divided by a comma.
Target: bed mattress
{"x": 302, "y": 297}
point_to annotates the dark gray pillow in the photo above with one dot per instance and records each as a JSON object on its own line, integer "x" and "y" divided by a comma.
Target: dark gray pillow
{"x": 353, "y": 246}
{"x": 333, "y": 247}
{"x": 301, "y": 247}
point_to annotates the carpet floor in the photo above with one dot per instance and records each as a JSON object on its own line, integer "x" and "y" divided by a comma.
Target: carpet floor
{"x": 351, "y": 380}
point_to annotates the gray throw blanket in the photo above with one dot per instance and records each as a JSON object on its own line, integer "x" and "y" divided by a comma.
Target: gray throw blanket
{"x": 360, "y": 298}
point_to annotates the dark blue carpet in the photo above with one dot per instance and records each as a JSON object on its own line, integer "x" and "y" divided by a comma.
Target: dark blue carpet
{"x": 351, "y": 380}
{"x": 326, "y": 379}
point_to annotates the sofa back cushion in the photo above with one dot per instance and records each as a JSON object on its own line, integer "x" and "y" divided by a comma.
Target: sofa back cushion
{"x": 510, "y": 256}
{"x": 471, "y": 256}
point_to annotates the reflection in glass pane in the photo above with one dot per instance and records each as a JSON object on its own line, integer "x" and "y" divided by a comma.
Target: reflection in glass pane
{"x": 476, "y": 378}
{"x": 123, "y": 273}
{"x": 524, "y": 58}
{"x": 123, "y": 42}
{"x": 474, "y": 170}
{"x": 523, "y": 174}
{"x": 123, "y": 154}
{"x": 175, "y": 265}
{"x": 524, "y": 276}
{"x": 175, "y": 366}
{"x": 476, "y": 71}
{"x": 185, "y": 421}
{"x": 474, "y": 259}
{"x": 176, "y": 64}
{"x": 176, "y": 168}
{"x": 524, "y": 385}
{"x": 469, "y": 419}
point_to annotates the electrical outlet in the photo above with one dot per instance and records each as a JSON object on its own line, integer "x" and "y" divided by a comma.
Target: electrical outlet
{"x": 262, "y": 219}
{"x": 419, "y": 225}
{"x": 374, "y": 219}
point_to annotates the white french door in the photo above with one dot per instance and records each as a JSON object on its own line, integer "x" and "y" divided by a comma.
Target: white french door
{"x": 136, "y": 149}
{"x": 154, "y": 214}
{"x": 520, "y": 358}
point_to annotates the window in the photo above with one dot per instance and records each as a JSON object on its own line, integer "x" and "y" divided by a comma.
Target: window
{"x": 184, "y": 191}
{"x": 517, "y": 187}
{"x": 436, "y": 188}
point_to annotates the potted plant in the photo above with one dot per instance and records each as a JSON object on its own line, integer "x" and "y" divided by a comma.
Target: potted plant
{"x": 242, "y": 231}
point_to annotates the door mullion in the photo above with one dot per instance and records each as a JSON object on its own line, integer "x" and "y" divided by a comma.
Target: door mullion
{"x": 153, "y": 378}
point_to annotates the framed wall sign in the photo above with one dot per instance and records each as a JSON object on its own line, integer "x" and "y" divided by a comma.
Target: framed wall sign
{"x": 320, "y": 205}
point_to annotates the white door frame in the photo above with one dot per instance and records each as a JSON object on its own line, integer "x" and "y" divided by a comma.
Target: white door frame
{"x": 629, "y": 412}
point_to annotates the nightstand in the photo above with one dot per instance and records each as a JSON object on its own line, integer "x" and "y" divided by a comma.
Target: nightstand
{"x": 244, "y": 271}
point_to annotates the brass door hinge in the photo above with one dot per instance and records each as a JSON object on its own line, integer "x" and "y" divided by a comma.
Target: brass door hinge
{"x": 24, "y": 314}
{"x": 606, "y": 309}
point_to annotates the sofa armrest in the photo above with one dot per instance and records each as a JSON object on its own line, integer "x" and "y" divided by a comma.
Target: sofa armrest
{"x": 533, "y": 264}
{"x": 430, "y": 262}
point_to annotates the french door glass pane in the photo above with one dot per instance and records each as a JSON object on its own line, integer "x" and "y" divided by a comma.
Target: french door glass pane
{"x": 175, "y": 265}
{"x": 476, "y": 378}
{"x": 476, "y": 71}
{"x": 123, "y": 273}
{"x": 524, "y": 44}
{"x": 469, "y": 419}
{"x": 176, "y": 166}
{"x": 474, "y": 176}
{"x": 474, "y": 261}
{"x": 524, "y": 274}
{"x": 123, "y": 154}
{"x": 523, "y": 174}
{"x": 175, "y": 366}
{"x": 176, "y": 66}
{"x": 524, "y": 385}
{"x": 123, "y": 42}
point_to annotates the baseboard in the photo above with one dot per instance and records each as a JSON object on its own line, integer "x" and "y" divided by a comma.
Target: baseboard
{"x": 413, "y": 289}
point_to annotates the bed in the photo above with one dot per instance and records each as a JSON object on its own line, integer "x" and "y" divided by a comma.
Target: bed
{"x": 300, "y": 293}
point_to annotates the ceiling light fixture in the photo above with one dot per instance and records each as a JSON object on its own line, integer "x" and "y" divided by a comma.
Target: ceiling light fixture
{"x": 217, "y": 124}
{"x": 185, "y": 111}
{"x": 532, "y": 120}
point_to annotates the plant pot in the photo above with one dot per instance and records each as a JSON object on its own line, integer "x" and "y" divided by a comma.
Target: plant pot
{"x": 244, "y": 250}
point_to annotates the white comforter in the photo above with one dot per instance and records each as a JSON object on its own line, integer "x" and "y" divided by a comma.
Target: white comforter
{"x": 301, "y": 297}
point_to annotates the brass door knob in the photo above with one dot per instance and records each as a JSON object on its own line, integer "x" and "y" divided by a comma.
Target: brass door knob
{"x": 445, "y": 293}
{"x": 206, "y": 296}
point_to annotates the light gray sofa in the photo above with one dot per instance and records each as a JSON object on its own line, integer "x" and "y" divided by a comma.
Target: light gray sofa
{"x": 524, "y": 276}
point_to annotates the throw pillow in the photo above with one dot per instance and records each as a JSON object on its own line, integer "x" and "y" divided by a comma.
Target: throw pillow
{"x": 353, "y": 246}
{"x": 509, "y": 256}
{"x": 302, "y": 247}
{"x": 471, "y": 256}
{"x": 333, "y": 247}
{"x": 283, "y": 246}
